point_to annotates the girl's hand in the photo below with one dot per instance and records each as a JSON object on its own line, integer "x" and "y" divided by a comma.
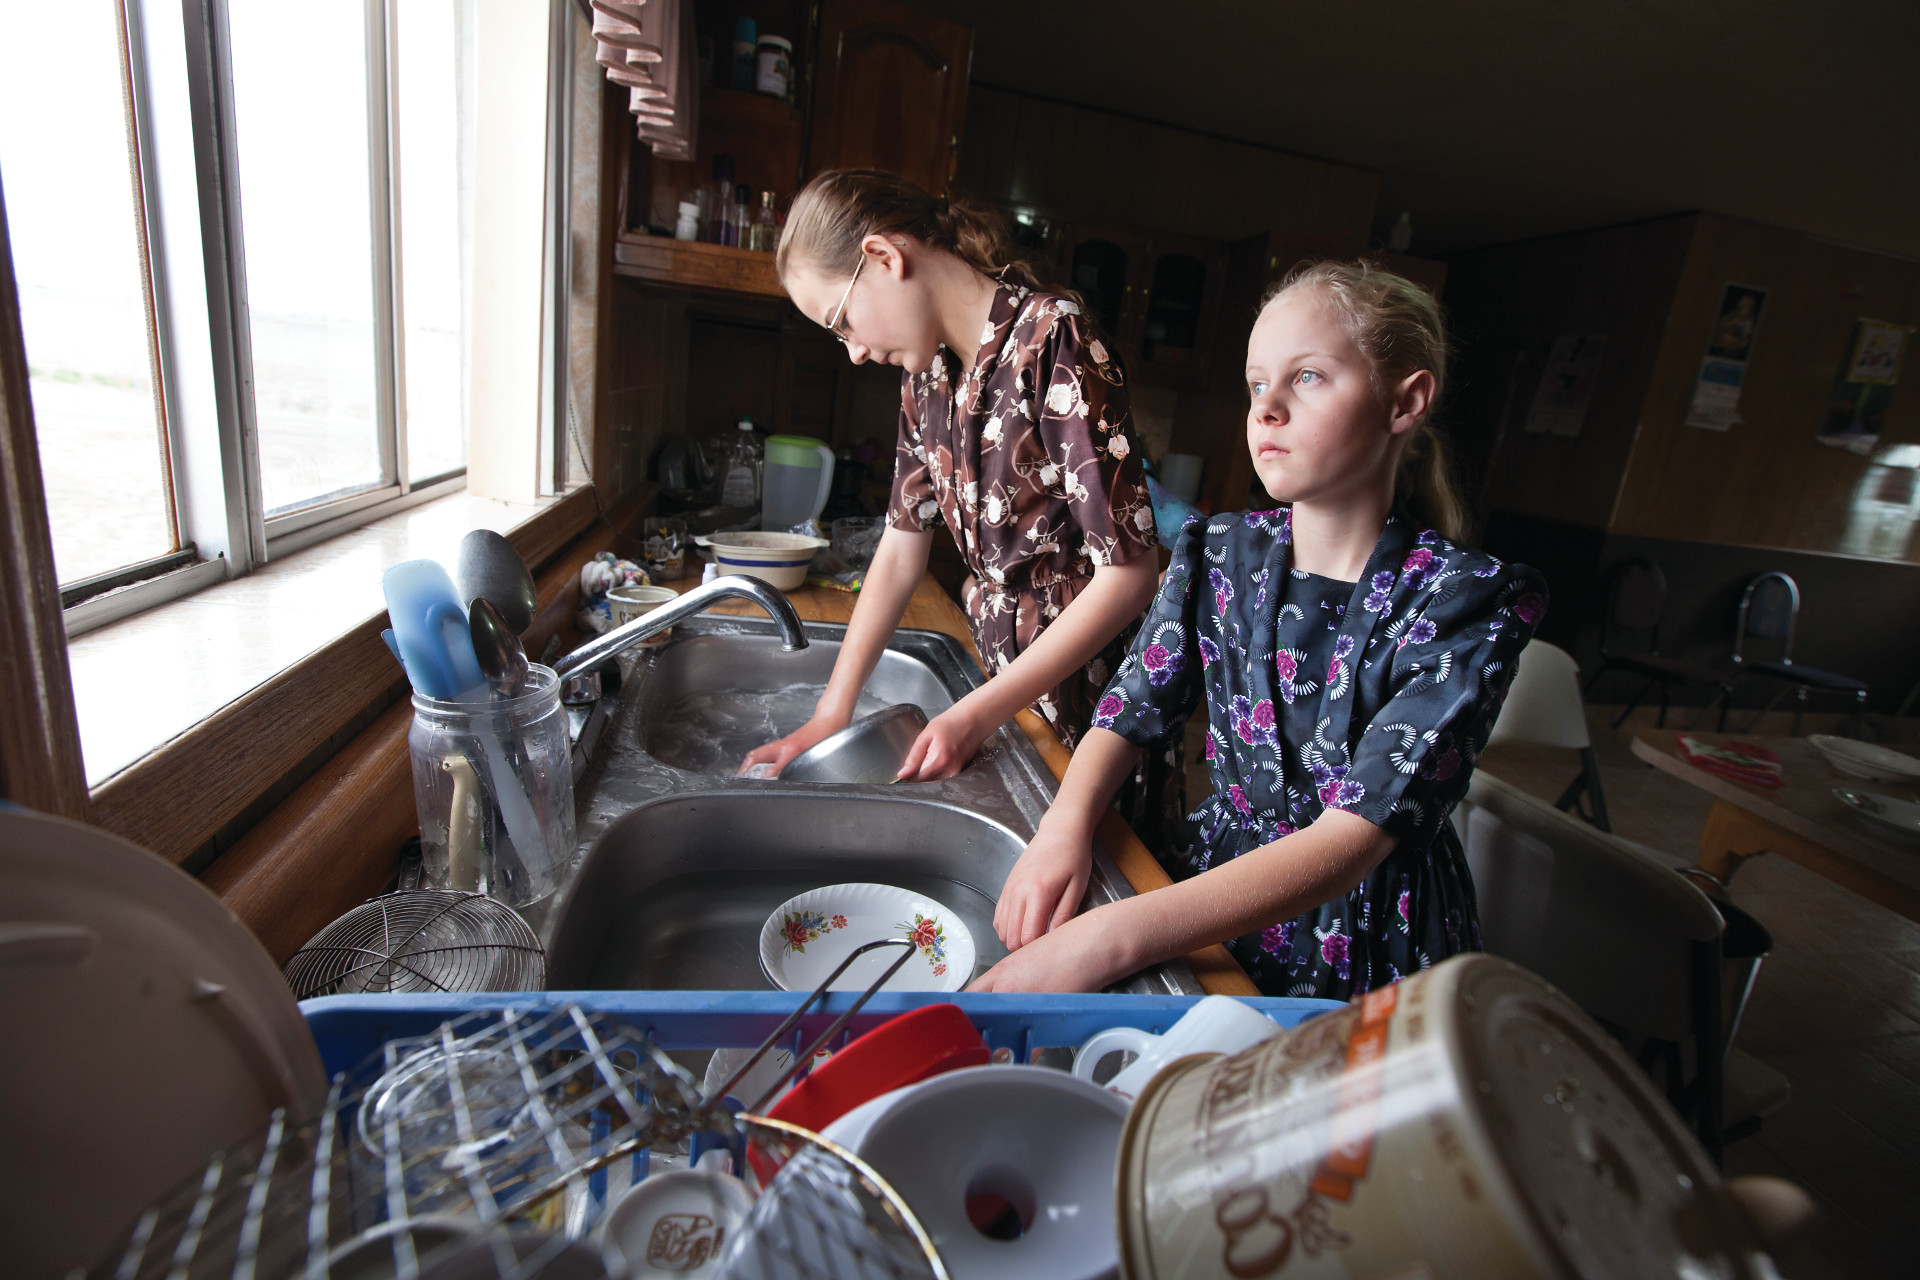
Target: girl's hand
{"x": 1045, "y": 887}
{"x": 944, "y": 746}
{"x": 1085, "y": 954}
{"x": 781, "y": 750}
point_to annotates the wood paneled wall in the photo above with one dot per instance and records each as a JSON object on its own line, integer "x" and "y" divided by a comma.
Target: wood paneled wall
{"x": 1081, "y": 163}
{"x": 1767, "y": 482}
{"x": 1506, "y": 306}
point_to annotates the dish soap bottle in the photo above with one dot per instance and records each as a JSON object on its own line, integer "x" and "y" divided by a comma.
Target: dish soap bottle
{"x": 741, "y": 487}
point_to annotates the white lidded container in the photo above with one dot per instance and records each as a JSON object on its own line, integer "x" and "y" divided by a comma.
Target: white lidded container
{"x": 1469, "y": 1123}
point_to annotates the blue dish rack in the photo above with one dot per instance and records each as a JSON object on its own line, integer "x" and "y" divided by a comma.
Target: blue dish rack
{"x": 350, "y": 1029}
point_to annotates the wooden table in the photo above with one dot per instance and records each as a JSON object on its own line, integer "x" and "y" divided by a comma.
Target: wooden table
{"x": 1801, "y": 821}
{"x": 932, "y": 609}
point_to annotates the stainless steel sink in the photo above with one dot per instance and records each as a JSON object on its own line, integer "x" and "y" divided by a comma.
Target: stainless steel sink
{"x": 681, "y": 862}
{"x": 674, "y": 893}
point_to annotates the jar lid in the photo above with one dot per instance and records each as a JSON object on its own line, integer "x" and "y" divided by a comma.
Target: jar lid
{"x": 688, "y": 209}
{"x": 776, "y": 42}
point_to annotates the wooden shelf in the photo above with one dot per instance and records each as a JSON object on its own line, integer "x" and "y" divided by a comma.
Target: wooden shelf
{"x": 692, "y": 264}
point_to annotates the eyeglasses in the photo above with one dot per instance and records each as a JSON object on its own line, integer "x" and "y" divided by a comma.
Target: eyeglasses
{"x": 840, "y": 312}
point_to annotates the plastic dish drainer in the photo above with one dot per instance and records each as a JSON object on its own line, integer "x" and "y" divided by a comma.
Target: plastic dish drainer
{"x": 536, "y": 1110}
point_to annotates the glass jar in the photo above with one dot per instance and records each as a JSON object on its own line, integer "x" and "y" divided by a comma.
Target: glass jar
{"x": 493, "y": 785}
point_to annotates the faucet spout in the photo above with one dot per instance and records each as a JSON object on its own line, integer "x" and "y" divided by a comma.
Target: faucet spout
{"x": 793, "y": 636}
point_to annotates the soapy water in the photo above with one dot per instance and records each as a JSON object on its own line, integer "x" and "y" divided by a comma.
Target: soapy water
{"x": 712, "y": 732}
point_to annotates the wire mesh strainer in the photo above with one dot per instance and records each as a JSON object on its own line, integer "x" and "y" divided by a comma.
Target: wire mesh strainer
{"x": 420, "y": 940}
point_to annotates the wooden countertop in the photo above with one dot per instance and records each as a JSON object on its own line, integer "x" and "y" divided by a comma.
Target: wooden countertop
{"x": 932, "y": 609}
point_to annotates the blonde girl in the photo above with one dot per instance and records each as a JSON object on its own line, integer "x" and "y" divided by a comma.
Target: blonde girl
{"x": 1014, "y": 432}
{"x": 1352, "y": 656}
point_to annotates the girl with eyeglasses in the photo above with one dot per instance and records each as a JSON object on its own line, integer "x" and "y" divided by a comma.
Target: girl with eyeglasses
{"x": 1014, "y": 432}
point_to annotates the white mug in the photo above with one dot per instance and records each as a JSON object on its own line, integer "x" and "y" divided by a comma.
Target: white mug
{"x": 1217, "y": 1024}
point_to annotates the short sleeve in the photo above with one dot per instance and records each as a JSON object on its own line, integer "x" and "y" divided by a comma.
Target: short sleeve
{"x": 1455, "y": 657}
{"x": 1158, "y": 684}
{"x": 912, "y": 506}
{"x": 1086, "y": 426}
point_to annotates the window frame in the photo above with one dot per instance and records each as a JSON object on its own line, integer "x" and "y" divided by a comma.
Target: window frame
{"x": 178, "y": 59}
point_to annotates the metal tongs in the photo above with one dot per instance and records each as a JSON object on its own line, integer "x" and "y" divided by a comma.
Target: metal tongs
{"x": 806, "y": 1055}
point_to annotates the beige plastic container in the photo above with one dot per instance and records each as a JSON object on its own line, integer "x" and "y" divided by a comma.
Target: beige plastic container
{"x": 1469, "y": 1123}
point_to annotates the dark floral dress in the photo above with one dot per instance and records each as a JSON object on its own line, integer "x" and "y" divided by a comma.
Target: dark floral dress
{"x": 1031, "y": 460}
{"x": 1375, "y": 697}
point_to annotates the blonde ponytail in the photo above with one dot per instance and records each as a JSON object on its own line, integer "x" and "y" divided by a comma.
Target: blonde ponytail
{"x": 1399, "y": 327}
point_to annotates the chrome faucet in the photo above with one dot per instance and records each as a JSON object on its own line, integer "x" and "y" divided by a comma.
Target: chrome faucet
{"x": 793, "y": 637}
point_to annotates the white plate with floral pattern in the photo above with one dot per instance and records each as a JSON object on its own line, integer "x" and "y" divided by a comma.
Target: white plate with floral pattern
{"x": 807, "y": 936}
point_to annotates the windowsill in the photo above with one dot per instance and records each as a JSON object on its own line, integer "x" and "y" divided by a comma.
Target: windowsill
{"x": 139, "y": 682}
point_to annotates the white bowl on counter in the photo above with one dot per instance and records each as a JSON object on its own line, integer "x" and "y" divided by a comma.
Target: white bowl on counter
{"x": 778, "y": 559}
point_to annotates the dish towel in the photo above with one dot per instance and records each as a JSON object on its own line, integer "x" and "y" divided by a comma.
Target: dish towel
{"x": 1740, "y": 760}
{"x": 647, "y": 49}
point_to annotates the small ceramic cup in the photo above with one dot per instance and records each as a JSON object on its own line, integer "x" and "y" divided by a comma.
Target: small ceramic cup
{"x": 628, "y": 603}
{"x": 1217, "y": 1024}
{"x": 676, "y": 1223}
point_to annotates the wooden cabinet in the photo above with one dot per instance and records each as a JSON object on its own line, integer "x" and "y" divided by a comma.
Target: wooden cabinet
{"x": 891, "y": 91}
{"x": 1156, "y": 296}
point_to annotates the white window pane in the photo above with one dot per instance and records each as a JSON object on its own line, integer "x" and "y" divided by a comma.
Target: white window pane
{"x": 434, "y": 69}
{"x": 65, "y": 163}
{"x": 300, "y": 102}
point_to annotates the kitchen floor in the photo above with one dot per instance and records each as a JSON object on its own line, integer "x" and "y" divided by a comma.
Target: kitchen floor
{"x": 1836, "y": 1009}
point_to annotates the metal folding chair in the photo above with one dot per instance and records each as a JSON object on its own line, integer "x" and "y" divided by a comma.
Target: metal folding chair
{"x": 1770, "y": 610}
{"x": 1635, "y": 598}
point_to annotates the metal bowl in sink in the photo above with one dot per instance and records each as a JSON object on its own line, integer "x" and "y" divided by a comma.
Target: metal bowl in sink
{"x": 871, "y": 749}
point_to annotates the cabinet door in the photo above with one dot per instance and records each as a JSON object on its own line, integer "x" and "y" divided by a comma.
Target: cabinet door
{"x": 1178, "y": 309}
{"x": 891, "y": 93}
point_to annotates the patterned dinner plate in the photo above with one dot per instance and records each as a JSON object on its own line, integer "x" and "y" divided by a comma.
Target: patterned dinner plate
{"x": 808, "y": 935}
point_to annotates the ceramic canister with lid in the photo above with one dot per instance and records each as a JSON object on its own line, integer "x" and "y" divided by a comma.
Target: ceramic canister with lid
{"x": 1468, "y": 1122}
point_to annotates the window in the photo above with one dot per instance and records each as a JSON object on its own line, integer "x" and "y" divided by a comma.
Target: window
{"x": 79, "y": 254}
{"x": 244, "y": 232}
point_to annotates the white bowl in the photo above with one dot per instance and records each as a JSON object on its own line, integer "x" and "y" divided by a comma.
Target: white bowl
{"x": 808, "y": 935}
{"x": 1866, "y": 759}
{"x": 678, "y": 1222}
{"x": 1037, "y": 1138}
{"x": 1893, "y": 820}
{"x": 778, "y": 559}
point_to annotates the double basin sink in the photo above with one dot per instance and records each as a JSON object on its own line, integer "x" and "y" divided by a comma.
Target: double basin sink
{"x": 682, "y": 862}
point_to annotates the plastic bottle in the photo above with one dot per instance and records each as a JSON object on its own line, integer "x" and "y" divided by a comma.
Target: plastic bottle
{"x": 764, "y": 236}
{"x": 741, "y": 488}
{"x": 744, "y": 31}
{"x": 720, "y": 200}
{"x": 688, "y": 228}
{"x": 740, "y": 214}
{"x": 773, "y": 67}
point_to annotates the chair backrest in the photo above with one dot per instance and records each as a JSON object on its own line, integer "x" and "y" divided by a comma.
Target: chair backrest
{"x": 1635, "y": 599}
{"x": 1769, "y": 609}
{"x": 1543, "y": 706}
{"x": 1590, "y": 913}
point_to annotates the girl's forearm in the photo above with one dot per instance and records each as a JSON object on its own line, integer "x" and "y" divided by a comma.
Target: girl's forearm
{"x": 1116, "y": 596}
{"x": 1100, "y": 764}
{"x": 1275, "y": 882}
{"x": 898, "y": 565}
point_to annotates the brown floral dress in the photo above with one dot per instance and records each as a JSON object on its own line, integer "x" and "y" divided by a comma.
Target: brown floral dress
{"x": 1031, "y": 460}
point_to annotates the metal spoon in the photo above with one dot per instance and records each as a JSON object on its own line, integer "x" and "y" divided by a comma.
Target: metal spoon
{"x": 491, "y": 569}
{"x": 502, "y": 659}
